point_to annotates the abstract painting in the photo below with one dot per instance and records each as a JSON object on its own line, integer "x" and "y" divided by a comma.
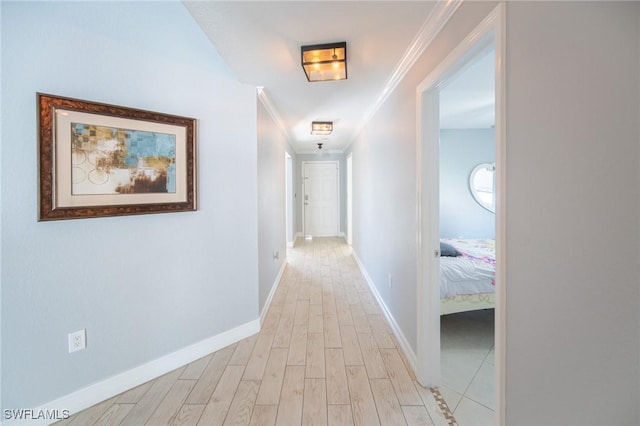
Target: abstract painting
{"x": 105, "y": 160}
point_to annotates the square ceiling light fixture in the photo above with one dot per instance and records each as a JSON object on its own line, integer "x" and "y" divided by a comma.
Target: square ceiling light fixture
{"x": 324, "y": 62}
{"x": 321, "y": 127}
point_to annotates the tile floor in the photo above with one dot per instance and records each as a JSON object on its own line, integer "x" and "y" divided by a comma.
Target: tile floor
{"x": 467, "y": 357}
{"x": 325, "y": 355}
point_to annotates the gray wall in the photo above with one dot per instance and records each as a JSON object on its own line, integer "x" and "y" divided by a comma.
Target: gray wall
{"x": 384, "y": 179}
{"x": 573, "y": 104}
{"x": 460, "y": 151}
{"x": 573, "y": 95}
{"x": 271, "y": 201}
{"x": 298, "y": 186}
{"x": 142, "y": 286}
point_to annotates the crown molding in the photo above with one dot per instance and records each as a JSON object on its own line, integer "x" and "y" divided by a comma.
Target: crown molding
{"x": 271, "y": 109}
{"x": 315, "y": 152}
{"x": 436, "y": 20}
{"x": 438, "y": 17}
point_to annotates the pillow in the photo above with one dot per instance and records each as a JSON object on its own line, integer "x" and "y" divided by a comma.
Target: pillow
{"x": 448, "y": 250}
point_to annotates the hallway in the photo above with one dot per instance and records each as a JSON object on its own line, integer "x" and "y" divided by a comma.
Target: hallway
{"x": 325, "y": 355}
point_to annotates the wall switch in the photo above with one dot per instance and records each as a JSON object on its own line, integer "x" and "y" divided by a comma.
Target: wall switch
{"x": 390, "y": 281}
{"x": 77, "y": 340}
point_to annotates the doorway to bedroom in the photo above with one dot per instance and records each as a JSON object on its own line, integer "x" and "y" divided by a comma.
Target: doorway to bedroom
{"x": 467, "y": 236}
{"x": 461, "y": 141}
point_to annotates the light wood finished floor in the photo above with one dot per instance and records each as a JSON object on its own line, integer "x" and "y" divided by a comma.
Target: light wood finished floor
{"x": 325, "y": 356}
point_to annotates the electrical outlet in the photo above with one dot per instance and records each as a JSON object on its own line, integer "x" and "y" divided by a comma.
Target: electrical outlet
{"x": 390, "y": 281}
{"x": 276, "y": 255}
{"x": 77, "y": 340}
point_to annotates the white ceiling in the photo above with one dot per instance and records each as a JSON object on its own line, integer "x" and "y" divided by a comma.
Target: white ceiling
{"x": 260, "y": 41}
{"x": 468, "y": 101}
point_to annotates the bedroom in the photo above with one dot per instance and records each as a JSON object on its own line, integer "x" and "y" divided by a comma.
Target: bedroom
{"x": 467, "y": 232}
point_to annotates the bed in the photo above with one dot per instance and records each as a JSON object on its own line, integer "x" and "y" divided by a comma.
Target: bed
{"x": 467, "y": 280}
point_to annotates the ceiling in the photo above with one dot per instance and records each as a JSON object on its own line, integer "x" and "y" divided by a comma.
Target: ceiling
{"x": 261, "y": 40}
{"x": 468, "y": 102}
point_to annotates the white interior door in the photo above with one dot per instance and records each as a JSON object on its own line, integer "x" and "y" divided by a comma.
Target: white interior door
{"x": 320, "y": 199}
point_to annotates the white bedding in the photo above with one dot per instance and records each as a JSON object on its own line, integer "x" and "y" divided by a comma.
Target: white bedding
{"x": 471, "y": 273}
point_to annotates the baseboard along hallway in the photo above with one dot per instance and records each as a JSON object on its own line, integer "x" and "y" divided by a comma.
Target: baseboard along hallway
{"x": 325, "y": 355}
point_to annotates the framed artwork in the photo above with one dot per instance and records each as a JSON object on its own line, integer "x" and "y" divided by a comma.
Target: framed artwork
{"x": 99, "y": 160}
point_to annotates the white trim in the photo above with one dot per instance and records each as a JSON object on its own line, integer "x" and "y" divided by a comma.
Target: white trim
{"x": 397, "y": 331}
{"x": 289, "y": 205}
{"x": 348, "y": 183}
{"x": 101, "y": 391}
{"x": 274, "y": 287}
{"x": 491, "y": 31}
{"x": 295, "y": 239}
{"x": 440, "y": 14}
{"x": 477, "y": 41}
{"x": 325, "y": 151}
{"x": 271, "y": 109}
{"x": 428, "y": 295}
{"x": 500, "y": 43}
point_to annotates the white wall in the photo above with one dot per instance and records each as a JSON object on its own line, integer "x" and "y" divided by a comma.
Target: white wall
{"x": 460, "y": 214}
{"x": 142, "y": 286}
{"x": 572, "y": 231}
{"x": 272, "y": 145}
{"x": 573, "y": 235}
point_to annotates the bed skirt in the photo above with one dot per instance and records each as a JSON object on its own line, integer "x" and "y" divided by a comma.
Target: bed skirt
{"x": 467, "y": 302}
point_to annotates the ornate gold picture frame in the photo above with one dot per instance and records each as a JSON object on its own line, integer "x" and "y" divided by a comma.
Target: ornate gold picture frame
{"x": 100, "y": 160}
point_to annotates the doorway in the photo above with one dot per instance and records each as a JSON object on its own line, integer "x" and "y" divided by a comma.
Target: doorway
{"x": 489, "y": 33}
{"x": 467, "y": 223}
{"x": 288, "y": 173}
{"x": 350, "y": 199}
{"x": 321, "y": 195}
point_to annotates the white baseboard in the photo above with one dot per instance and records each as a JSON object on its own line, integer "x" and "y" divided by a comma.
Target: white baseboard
{"x": 272, "y": 292}
{"x": 402, "y": 340}
{"x": 101, "y": 391}
{"x": 295, "y": 239}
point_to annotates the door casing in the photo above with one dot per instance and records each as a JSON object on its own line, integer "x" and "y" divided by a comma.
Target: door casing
{"x": 491, "y": 31}
{"x": 349, "y": 199}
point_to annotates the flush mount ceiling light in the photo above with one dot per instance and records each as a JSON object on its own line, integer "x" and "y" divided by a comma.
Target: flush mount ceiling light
{"x": 321, "y": 127}
{"x": 324, "y": 62}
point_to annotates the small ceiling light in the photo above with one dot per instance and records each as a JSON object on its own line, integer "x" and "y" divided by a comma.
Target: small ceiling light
{"x": 324, "y": 62}
{"x": 321, "y": 127}
{"x": 320, "y": 151}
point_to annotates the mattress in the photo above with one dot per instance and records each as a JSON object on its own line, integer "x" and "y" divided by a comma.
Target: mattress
{"x": 471, "y": 273}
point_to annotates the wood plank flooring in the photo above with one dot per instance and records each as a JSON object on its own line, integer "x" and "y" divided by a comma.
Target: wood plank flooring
{"x": 325, "y": 356}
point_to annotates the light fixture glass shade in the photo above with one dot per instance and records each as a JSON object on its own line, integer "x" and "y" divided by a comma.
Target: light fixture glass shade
{"x": 321, "y": 127}
{"x": 324, "y": 62}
